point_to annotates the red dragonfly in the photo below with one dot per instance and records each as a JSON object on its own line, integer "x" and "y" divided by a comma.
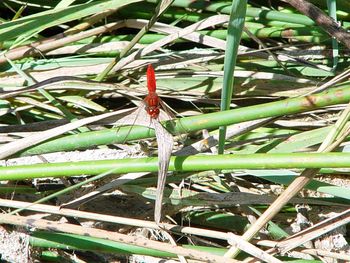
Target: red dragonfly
{"x": 152, "y": 100}
{"x": 152, "y": 107}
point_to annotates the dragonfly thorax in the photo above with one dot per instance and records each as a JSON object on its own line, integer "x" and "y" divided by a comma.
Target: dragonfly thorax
{"x": 152, "y": 105}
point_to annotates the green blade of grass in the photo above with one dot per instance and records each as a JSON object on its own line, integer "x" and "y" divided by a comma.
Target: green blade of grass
{"x": 332, "y": 10}
{"x": 234, "y": 33}
{"x": 225, "y": 8}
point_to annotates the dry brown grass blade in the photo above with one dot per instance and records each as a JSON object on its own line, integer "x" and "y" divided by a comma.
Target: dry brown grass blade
{"x": 161, "y": 7}
{"x": 103, "y": 189}
{"x": 21, "y": 52}
{"x": 98, "y": 233}
{"x": 36, "y": 103}
{"x": 21, "y": 144}
{"x": 202, "y": 39}
{"x": 111, "y": 219}
{"x": 326, "y": 253}
{"x": 168, "y": 29}
{"x": 306, "y": 251}
{"x": 314, "y": 231}
{"x": 182, "y": 259}
{"x": 211, "y": 141}
{"x": 251, "y": 249}
{"x": 211, "y": 21}
{"x": 244, "y": 245}
{"x": 60, "y": 83}
{"x": 330, "y": 83}
{"x": 309, "y": 234}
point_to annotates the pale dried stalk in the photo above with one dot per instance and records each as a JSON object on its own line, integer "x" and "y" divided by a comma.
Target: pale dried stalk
{"x": 306, "y": 251}
{"x": 111, "y": 219}
{"x": 211, "y": 21}
{"x": 161, "y": 7}
{"x": 298, "y": 183}
{"x": 211, "y": 141}
{"x": 253, "y": 250}
{"x": 21, "y": 144}
{"x": 168, "y": 29}
{"x": 45, "y": 46}
{"x": 244, "y": 245}
{"x": 98, "y": 233}
{"x": 103, "y": 189}
{"x": 203, "y": 39}
{"x": 60, "y": 83}
{"x": 314, "y": 231}
{"x": 309, "y": 234}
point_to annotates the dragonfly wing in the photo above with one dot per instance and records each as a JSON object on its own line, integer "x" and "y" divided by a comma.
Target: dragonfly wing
{"x": 165, "y": 143}
{"x": 138, "y": 117}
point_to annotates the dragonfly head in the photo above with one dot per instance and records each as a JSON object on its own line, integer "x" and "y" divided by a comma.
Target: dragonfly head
{"x": 153, "y": 112}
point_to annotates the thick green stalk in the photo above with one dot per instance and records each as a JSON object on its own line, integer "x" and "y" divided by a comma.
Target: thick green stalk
{"x": 204, "y": 121}
{"x": 134, "y": 11}
{"x": 225, "y": 8}
{"x": 254, "y": 28}
{"x": 46, "y": 239}
{"x": 180, "y": 164}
